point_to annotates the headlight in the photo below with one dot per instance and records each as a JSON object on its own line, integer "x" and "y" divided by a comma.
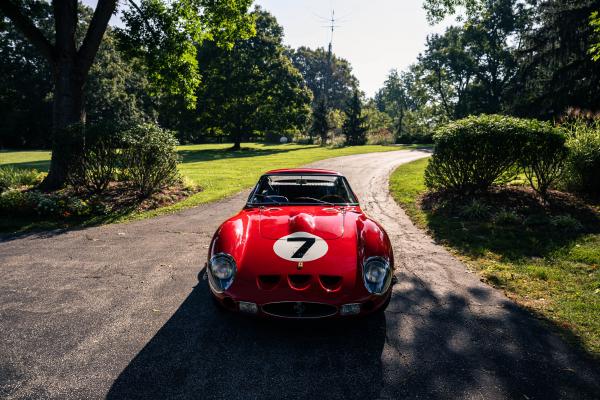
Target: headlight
{"x": 377, "y": 275}
{"x": 222, "y": 270}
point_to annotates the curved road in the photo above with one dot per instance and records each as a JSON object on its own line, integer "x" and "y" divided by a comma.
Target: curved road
{"x": 117, "y": 311}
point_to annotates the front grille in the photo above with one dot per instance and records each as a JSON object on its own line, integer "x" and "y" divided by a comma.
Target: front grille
{"x": 298, "y": 309}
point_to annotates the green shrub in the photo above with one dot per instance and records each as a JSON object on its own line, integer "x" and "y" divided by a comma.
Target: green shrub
{"x": 33, "y": 202}
{"x": 96, "y": 167}
{"x": 543, "y": 156}
{"x": 506, "y": 217}
{"x": 475, "y": 210}
{"x": 566, "y": 223}
{"x": 15, "y": 202}
{"x": 583, "y": 162}
{"x": 475, "y": 152}
{"x": 11, "y": 177}
{"x": 150, "y": 158}
{"x": 536, "y": 220}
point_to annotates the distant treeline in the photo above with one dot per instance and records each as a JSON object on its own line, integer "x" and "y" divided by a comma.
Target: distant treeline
{"x": 525, "y": 58}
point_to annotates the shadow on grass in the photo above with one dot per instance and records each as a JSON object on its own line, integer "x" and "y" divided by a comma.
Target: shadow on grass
{"x": 425, "y": 346}
{"x": 510, "y": 222}
{"x": 41, "y": 166}
{"x": 191, "y": 156}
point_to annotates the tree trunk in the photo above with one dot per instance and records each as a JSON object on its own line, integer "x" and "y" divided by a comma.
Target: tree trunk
{"x": 324, "y": 138}
{"x": 67, "y": 113}
{"x": 68, "y": 122}
{"x": 237, "y": 145}
{"x": 237, "y": 140}
{"x": 400, "y": 122}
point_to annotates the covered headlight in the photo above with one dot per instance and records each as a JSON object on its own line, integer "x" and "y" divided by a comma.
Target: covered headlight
{"x": 377, "y": 275}
{"x": 221, "y": 270}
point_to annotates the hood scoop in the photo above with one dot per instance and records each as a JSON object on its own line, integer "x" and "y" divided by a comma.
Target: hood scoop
{"x": 325, "y": 222}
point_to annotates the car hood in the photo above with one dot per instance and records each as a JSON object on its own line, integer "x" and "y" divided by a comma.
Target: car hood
{"x": 324, "y": 222}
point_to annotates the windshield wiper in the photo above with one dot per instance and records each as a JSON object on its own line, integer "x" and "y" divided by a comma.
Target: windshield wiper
{"x": 269, "y": 196}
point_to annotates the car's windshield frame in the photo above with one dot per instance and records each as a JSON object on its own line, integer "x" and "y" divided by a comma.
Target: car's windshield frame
{"x": 351, "y": 194}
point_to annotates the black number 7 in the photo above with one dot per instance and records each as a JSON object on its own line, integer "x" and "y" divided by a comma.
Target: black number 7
{"x": 308, "y": 242}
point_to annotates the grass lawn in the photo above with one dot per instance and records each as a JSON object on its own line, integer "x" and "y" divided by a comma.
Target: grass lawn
{"x": 217, "y": 170}
{"x": 551, "y": 271}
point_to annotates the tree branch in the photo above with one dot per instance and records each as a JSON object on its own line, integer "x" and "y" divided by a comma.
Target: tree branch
{"x": 141, "y": 13}
{"x": 93, "y": 37}
{"x": 28, "y": 29}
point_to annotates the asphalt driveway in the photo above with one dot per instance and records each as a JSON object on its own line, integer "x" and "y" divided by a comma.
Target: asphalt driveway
{"x": 117, "y": 311}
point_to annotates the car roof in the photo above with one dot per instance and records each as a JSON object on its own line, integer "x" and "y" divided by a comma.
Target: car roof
{"x": 302, "y": 171}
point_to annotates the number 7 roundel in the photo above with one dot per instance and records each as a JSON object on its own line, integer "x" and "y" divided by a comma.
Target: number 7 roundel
{"x": 300, "y": 246}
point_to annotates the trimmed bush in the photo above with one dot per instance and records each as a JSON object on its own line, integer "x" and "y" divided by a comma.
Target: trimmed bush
{"x": 150, "y": 158}
{"x": 473, "y": 153}
{"x": 543, "y": 156}
{"x": 97, "y": 166}
{"x": 583, "y": 162}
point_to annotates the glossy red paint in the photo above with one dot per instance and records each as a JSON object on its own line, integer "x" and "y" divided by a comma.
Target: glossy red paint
{"x": 335, "y": 278}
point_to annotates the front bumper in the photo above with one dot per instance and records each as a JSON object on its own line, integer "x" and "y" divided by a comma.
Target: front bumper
{"x": 303, "y": 309}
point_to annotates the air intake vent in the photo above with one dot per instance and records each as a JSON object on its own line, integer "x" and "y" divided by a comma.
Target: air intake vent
{"x": 331, "y": 282}
{"x": 268, "y": 281}
{"x": 299, "y": 281}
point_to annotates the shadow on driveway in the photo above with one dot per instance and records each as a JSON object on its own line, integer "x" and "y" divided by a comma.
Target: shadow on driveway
{"x": 203, "y": 352}
{"x": 423, "y": 347}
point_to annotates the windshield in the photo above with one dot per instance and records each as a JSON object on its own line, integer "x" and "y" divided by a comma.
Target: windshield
{"x": 302, "y": 189}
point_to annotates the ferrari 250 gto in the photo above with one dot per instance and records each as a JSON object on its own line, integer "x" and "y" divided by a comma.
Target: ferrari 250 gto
{"x": 301, "y": 248}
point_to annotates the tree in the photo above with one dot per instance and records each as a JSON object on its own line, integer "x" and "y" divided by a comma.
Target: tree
{"x": 320, "y": 123}
{"x": 533, "y": 57}
{"x": 374, "y": 118}
{"x": 69, "y": 66}
{"x": 252, "y": 88}
{"x": 354, "y": 128}
{"x": 471, "y": 67}
{"x": 556, "y": 70}
{"x": 395, "y": 97}
{"x": 165, "y": 34}
{"x": 116, "y": 90}
{"x": 186, "y": 20}
{"x": 25, "y": 93}
{"x": 326, "y": 75}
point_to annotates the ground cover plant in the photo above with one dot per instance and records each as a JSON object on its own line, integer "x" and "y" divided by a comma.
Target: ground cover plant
{"x": 544, "y": 254}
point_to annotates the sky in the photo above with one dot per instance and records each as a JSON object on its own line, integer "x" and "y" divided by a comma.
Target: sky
{"x": 375, "y": 35}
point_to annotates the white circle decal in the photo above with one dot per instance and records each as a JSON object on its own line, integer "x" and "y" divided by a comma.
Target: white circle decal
{"x": 300, "y": 246}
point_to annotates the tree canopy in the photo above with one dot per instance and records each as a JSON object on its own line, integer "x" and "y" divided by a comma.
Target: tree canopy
{"x": 252, "y": 88}
{"x": 163, "y": 34}
{"x": 326, "y": 75}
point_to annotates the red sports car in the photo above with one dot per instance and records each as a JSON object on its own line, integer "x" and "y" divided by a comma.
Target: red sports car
{"x": 301, "y": 248}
